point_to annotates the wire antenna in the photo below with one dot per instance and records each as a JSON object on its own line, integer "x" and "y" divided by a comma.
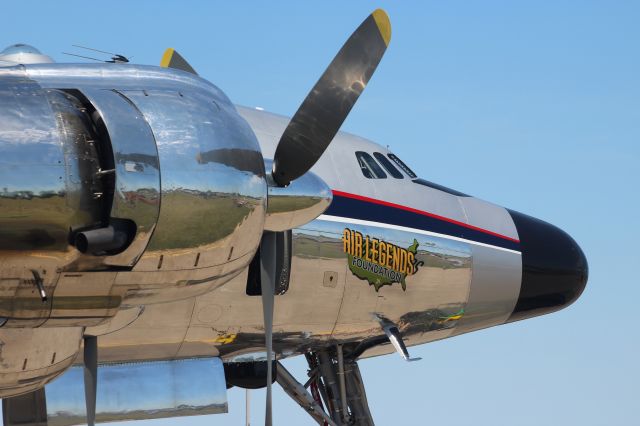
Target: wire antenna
{"x": 95, "y": 50}
{"x": 81, "y": 56}
{"x": 116, "y": 58}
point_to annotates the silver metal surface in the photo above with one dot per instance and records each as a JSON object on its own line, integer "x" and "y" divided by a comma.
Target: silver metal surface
{"x": 137, "y": 170}
{"x": 213, "y": 187}
{"x": 212, "y": 192}
{"x": 299, "y": 203}
{"x": 47, "y": 169}
{"x": 23, "y": 54}
{"x": 494, "y": 290}
{"x": 115, "y": 76}
{"x": 123, "y": 318}
{"x": 338, "y": 167}
{"x": 189, "y": 172}
{"x": 31, "y": 357}
{"x": 84, "y": 299}
{"x": 310, "y": 314}
{"x": 41, "y": 145}
{"x": 423, "y": 310}
{"x": 394, "y": 336}
{"x": 149, "y": 390}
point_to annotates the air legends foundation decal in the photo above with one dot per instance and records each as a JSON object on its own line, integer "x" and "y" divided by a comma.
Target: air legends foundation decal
{"x": 379, "y": 262}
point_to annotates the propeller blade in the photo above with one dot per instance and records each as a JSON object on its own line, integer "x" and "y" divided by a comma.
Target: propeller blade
{"x": 90, "y": 377}
{"x": 327, "y": 105}
{"x": 267, "y": 282}
{"x": 172, "y": 59}
{"x": 247, "y": 407}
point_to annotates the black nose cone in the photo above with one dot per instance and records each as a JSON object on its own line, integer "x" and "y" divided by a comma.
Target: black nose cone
{"x": 554, "y": 268}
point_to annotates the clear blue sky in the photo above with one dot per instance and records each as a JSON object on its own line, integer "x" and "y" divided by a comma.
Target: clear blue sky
{"x": 532, "y": 105}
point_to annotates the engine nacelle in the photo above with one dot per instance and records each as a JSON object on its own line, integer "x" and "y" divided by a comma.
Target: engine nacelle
{"x": 111, "y": 193}
{"x": 32, "y": 357}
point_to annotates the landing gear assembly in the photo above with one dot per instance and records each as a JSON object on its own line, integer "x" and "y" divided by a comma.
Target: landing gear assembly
{"x": 334, "y": 395}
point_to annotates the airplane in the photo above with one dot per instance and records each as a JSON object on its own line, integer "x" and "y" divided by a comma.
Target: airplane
{"x": 160, "y": 244}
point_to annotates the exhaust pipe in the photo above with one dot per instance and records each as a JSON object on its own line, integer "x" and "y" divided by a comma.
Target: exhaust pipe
{"x": 112, "y": 239}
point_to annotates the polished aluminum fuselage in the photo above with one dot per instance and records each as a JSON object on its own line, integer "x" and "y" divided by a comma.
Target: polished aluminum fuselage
{"x": 326, "y": 303}
{"x": 179, "y": 289}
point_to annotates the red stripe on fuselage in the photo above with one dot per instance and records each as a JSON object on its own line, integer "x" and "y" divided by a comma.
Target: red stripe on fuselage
{"x": 421, "y": 212}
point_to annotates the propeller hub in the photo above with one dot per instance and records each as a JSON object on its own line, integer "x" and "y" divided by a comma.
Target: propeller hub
{"x": 300, "y": 202}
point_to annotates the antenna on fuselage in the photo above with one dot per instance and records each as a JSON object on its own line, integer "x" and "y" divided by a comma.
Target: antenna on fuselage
{"x": 116, "y": 58}
{"x": 82, "y": 56}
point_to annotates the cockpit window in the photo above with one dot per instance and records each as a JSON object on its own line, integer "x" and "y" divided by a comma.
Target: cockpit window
{"x": 370, "y": 168}
{"x": 388, "y": 166}
{"x": 402, "y": 166}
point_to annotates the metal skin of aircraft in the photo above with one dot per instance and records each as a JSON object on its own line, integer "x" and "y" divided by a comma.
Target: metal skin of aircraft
{"x": 148, "y": 226}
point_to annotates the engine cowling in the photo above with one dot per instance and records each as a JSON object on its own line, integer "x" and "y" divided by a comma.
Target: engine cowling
{"x": 111, "y": 193}
{"x": 31, "y": 357}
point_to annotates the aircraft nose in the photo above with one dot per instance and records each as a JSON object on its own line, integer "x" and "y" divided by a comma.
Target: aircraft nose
{"x": 554, "y": 268}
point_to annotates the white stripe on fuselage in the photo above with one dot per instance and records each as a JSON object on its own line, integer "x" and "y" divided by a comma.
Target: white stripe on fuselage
{"x": 330, "y": 218}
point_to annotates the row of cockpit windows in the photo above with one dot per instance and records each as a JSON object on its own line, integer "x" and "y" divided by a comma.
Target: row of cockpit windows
{"x": 390, "y": 163}
{"x": 372, "y": 169}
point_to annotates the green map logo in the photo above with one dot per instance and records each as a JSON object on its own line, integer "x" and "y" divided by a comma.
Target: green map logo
{"x": 379, "y": 262}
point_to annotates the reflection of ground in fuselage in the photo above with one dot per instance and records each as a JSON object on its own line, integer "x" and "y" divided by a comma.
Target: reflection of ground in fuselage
{"x": 309, "y": 314}
{"x": 209, "y": 219}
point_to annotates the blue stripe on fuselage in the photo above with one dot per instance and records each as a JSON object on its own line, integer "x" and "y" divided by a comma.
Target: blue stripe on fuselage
{"x": 365, "y": 210}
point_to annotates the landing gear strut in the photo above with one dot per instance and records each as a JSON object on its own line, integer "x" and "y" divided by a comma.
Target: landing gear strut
{"x": 335, "y": 395}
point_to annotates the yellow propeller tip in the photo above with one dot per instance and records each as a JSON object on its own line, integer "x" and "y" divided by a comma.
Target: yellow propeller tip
{"x": 166, "y": 58}
{"x": 383, "y": 23}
